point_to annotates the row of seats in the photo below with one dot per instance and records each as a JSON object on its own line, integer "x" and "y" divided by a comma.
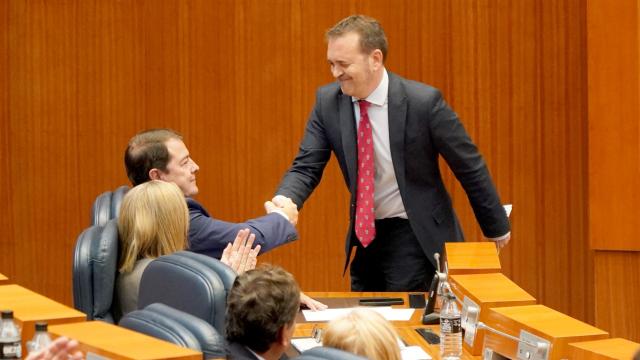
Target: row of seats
{"x": 194, "y": 283}
{"x": 182, "y": 296}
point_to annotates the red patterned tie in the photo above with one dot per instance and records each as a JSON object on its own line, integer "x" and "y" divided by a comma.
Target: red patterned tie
{"x": 365, "y": 216}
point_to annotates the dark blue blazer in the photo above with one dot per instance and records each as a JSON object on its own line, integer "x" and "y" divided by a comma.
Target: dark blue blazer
{"x": 209, "y": 236}
{"x": 422, "y": 128}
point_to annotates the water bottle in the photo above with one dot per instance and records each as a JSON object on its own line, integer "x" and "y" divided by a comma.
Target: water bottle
{"x": 450, "y": 328}
{"x": 41, "y": 338}
{"x": 443, "y": 289}
{"x": 10, "y": 346}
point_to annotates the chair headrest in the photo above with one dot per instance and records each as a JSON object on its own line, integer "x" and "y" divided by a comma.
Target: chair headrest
{"x": 226, "y": 274}
{"x": 184, "y": 284}
{"x": 107, "y": 205}
{"x": 95, "y": 263}
{"x": 161, "y": 327}
{"x": 211, "y": 342}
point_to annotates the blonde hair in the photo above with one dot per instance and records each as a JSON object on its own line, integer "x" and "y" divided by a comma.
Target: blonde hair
{"x": 153, "y": 221}
{"x": 363, "y": 332}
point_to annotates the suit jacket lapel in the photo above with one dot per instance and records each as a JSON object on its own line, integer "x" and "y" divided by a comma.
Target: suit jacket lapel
{"x": 397, "y": 123}
{"x": 348, "y": 130}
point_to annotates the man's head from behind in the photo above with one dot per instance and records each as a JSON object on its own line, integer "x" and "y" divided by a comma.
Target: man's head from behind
{"x": 160, "y": 154}
{"x": 261, "y": 310}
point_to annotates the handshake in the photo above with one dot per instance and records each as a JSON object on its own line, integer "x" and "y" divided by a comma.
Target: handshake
{"x": 284, "y": 206}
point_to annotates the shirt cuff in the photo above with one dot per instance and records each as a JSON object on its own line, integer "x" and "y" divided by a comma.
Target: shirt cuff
{"x": 282, "y": 213}
{"x": 500, "y": 237}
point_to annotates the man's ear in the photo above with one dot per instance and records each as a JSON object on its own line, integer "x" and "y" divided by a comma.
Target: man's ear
{"x": 377, "y": 59}
{"x": 155, "y": 174}
{"x": 284, "y": 335}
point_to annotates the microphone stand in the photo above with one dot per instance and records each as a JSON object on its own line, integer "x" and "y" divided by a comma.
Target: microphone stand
{"x": 431, "y": 317}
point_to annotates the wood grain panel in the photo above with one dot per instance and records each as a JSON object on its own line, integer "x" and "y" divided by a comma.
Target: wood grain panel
{"x": 238, "y": 79}
{"x": 617, "y": 290}
{"x": 7, "y": 245}
{"x": 614, "y": 129}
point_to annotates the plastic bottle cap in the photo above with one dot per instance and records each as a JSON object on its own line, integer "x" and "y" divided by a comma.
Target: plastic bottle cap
{"x": 41, "y": 326}
{"x": 7, "y": 314}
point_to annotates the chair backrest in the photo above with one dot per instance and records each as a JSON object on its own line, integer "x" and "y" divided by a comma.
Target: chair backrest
{"x": 95, "y": 263}
{"x": 226, "y": 274}
{"x": 329, "y": 353}
{"x": 107, "y": 205}
{"x": 187, "y": 285}
{"x": 160, "y": 327}
{"x": 212, "y": 344}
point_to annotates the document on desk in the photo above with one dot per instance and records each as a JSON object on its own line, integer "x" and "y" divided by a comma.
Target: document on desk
{"x": 389, "y": 313}
{"x": 414, "y": 353}
{"x": 304, "y": 344}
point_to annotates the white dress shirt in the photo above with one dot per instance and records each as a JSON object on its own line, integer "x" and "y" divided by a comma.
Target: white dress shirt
{"x": 388, "y": 202}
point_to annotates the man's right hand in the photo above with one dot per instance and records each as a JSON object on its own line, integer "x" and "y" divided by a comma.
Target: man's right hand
{"x": 284, "y": 204}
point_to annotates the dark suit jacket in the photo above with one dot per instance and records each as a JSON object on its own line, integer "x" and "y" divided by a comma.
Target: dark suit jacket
{"x": 237, "y": 351}
{"x": 422, "y": 127}
{"x": 210, "y": 236}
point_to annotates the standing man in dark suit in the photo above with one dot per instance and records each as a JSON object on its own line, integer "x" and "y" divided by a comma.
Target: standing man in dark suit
{"x": 387, "y": 134}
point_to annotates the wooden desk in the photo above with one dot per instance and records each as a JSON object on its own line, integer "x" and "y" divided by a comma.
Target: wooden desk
{"x": 486, "y": 291}
{"x": 29, "y": 307}
{"x": 472, "y": 258}
{"x": 350, "y": 299}
{"x": 557, "y": 328}
{"x": 406, "y": 329}
{"x": 4, "y": 280}
{"x": 616, "y": 348}
{"x": 119, "y": 343}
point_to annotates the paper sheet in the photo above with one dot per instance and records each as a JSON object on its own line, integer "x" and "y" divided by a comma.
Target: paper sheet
{"x": 414, "y": 353}
{"x": 304, "y": 344}
{"x": 387, "y": 312}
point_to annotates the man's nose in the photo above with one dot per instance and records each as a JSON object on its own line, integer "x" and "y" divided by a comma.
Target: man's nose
{"x": 336, "y": 71}
{"x": 194, "y": 167}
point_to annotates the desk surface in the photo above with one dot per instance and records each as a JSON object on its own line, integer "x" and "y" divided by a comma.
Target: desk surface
{"x": 31, "y": 306}
{"x": 350, "y": 299}
{"x": 406, "y": 329}
{"x": 615, "y": 348}
{"x": 119, "y": 343}
{"x": 472, "y": 257}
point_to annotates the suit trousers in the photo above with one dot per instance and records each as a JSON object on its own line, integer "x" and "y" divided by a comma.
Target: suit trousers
{"x": 394, "y": 261}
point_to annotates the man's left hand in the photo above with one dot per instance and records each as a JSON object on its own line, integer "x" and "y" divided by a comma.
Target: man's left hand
{"x": 312, "y": 304}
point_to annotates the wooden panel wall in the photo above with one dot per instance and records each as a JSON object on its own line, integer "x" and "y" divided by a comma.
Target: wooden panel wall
{"x": 237, "y": 78}
{"x": 614, "y": 162}
{"x": 617, "y": 283}
{"x": 614, "y": 129}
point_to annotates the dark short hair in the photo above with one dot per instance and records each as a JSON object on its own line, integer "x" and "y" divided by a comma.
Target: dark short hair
{"x": 147, "y": 150}
{"x": 261, "y": 302}
{"x": 372, "y": 35}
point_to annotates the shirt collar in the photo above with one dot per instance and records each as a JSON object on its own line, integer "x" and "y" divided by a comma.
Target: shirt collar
{"x": 379, "y": 95}
{"x": 254, "y": 354}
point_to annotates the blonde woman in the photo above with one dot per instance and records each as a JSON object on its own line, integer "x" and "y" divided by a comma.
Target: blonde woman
{"x": 154, "y": 221}
{"x": 363, "y": 332}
